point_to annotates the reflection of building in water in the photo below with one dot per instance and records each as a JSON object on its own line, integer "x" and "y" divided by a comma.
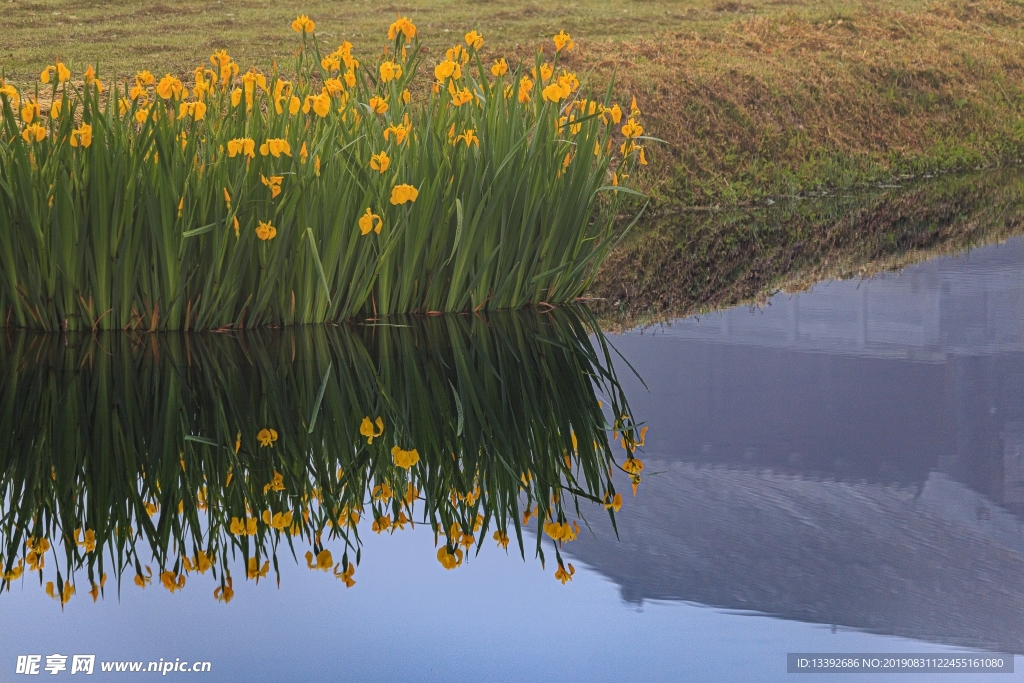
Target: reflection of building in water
{"x": 853, "y": 455}
{"x": 884, "y": 379}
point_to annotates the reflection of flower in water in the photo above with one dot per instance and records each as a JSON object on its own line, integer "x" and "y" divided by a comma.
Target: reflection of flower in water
{"x": 200, "y": 563}
{"x": 171, "y": 581}
{"x": 95, "y": 590}
{"x": 277, "y": 484}
{"x": 255, "y": 571}
{"x": 449, "y": 559}
{"x": 224, "y": 593}
{"x": 405, "y": 459}
{"x": 90, "y": 540}
{"x": 346, "y": 575}
{"x": 278, "y": 520}
{"x": 323, "y": 562}
{"x": 482, "y": 460}
{"x": 15, "y": 573}
{"x": 366, "y": 428}
{"x": 564, "y": 576}
{"x": 266, "y": 437}
{"x": 36, "y": 557}
{"x": 63, "y": 596}
{"x": 143, "y": 580}
{"x": 245, "y": 526}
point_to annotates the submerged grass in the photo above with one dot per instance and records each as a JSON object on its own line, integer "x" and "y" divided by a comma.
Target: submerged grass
{"x": 201, "y": 452}
{"x": 260, "y": 200}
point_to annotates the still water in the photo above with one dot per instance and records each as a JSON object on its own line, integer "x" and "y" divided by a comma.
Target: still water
{"x": 841, "y": 470}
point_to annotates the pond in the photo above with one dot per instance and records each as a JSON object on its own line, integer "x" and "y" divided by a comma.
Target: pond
{"x": 835, "y": 470}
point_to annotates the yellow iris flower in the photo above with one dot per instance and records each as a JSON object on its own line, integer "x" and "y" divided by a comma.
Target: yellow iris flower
{"x": 276, "y": 147}
{"x": 563, "y": 41}
{"x": 274, "y": 183}
{"x": 89, "y": 542}
{"x": 474, "y": 40}
{"x": 30, "y": 111}
{"x": 321, "y": 104}
{"x": 381, "y": 524}
{"x": 632, "y": 129}
{"x": 90, "y": 78}
{"x": 402, "y": 26}
{"x": 378, "y": 105}
{"x": 34, "y": 133}
{"x": 469, "y": 136}
{"x": 368, "y": 222}
{"x": 264, "y": 230}
{"x": 243, "y": 146}
{"x": 389, "y": 71}
{"x": 525, "y": 86}
{"x": 461, "y": 97}
{"x": 63, "y": 73}
{"x": 500, "y": 67}
{"x": 399, "y": 131}
{"x": 170, "y": 86}
{"x": 303, "y": 24}
{"x": 447, "y": 69}
{"x": 380, "y": 162}
{"x": 96, "y": 588}
{"x": 401, "y": 194}
{"x": 11, "y": 93}
{"x": 562, "y": 531}
{"x": 382, "y": 492}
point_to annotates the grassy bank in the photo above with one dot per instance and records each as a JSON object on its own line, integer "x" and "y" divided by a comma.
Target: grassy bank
{"x": 694, "y": 262}
{"x": 753, "y": 98}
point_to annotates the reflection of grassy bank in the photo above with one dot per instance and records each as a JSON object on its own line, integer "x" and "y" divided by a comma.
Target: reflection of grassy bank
{"x": 688, "y": 263}
{"x": 204, "y": 452}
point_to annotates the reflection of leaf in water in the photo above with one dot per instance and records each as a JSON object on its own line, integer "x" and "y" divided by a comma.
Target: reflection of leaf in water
{"x": 458, "y": 405}
{"x": 320, "y": 398}
{"x": 152, "y": 443}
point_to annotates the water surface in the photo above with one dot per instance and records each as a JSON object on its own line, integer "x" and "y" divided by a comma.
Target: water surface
{"x": 841, "y": 470}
